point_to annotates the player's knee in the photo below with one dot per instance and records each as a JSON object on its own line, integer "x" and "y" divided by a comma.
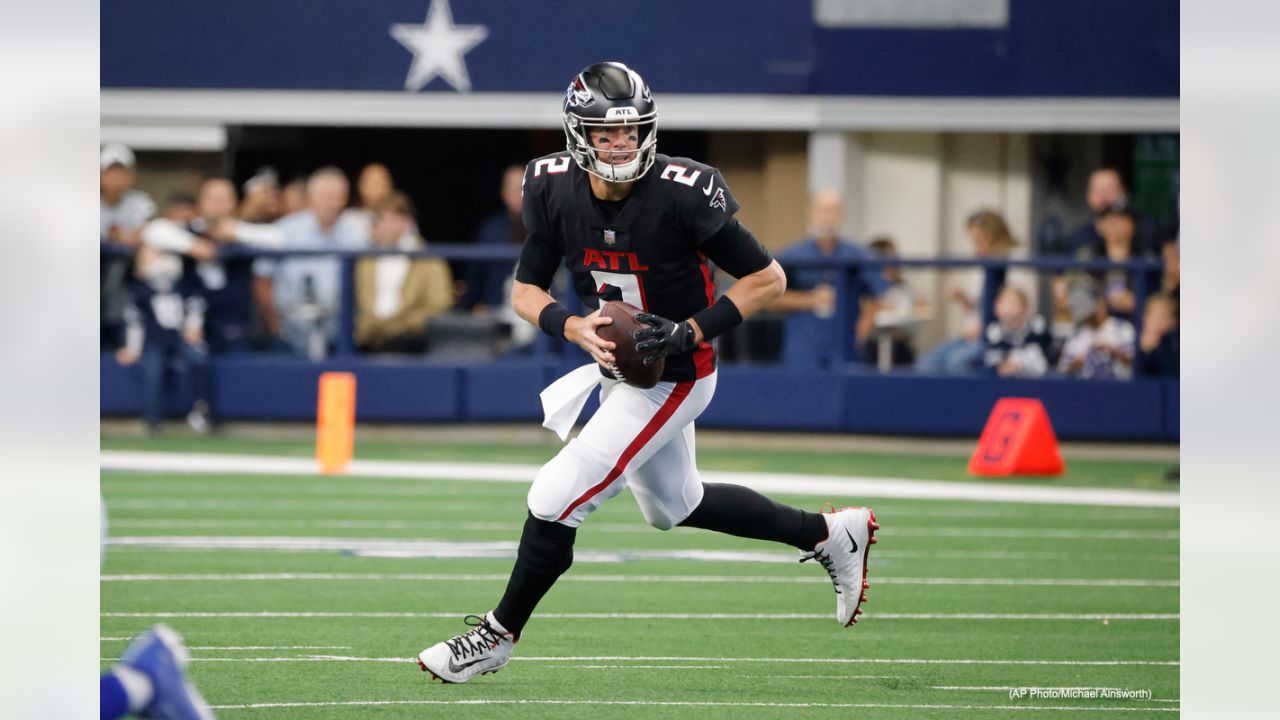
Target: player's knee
{"x": 552, "y": 487}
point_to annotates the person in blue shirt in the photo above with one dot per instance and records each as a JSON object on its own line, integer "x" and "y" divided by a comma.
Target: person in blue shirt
{"x": 1106, "y": 192}
{"x": 812, "y": 337}
{"x": 486, "y": 282}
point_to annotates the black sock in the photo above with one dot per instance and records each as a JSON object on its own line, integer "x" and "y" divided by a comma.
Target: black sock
{"x": 546, "y": 551}
{"x": 743, "y": 512}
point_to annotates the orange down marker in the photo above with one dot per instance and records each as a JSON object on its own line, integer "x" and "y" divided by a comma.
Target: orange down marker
{"x": 336, "y": 421}
{"x": 1018, "y": 440}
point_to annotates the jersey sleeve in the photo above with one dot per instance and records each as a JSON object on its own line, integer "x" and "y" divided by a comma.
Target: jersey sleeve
{"x": 706, "y": 203}
{"x": 541, "y": 254}
{"x": 735, "y": 250}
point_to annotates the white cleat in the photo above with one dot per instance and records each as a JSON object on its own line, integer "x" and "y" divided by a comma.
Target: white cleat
{"x": 850, "y": 535}
{"x": 483, "y": 649}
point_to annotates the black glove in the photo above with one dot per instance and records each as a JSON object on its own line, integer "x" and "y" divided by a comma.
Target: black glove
{"x": 663, "y": 338}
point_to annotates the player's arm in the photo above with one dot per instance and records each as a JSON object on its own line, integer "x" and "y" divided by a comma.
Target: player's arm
{"x": 539, "y": 258}
{"x": 760, "y": 280}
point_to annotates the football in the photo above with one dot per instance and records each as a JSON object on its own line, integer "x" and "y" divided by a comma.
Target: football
{"x": 628, "y": 364}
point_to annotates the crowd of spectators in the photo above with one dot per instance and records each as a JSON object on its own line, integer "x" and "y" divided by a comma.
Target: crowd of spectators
{"x": 174, "y": 292}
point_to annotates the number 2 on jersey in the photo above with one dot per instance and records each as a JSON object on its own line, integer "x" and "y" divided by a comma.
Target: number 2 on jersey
{"x": 628, "y": 284}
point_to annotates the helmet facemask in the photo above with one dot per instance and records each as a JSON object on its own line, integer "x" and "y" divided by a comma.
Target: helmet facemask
{"x": 595, "y": 160}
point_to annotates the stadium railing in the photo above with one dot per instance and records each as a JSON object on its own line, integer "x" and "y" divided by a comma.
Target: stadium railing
{"x": 1146, "y": 275}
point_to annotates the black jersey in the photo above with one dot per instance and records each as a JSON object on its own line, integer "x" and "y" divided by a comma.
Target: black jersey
{"x": 645, "y": 250}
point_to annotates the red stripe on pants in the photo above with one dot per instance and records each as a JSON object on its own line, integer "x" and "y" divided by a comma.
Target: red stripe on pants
{"x": 678, "y": 394}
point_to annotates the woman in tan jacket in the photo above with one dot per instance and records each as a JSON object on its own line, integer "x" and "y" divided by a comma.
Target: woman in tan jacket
{"x": 396, "y": 296}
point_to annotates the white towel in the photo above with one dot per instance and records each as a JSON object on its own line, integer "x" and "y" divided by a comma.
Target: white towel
{"x": 563, "y": 400}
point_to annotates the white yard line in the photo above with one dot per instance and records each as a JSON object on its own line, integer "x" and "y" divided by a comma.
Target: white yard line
{"x": 795, "y": 484}
{"x": 752, "y": 579}
{"x": 660, "y": 616}
{"x": 719, "y": 660}
{"x": 427, "y": 548}
{"x": 690, "y": 703}
{"x": 627, "y": 528}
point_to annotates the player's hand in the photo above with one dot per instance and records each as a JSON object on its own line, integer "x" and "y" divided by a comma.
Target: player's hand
{"x": 194, "y": 335}
{"x": 581, "y": 331}
{"x": 126, "y": 356}
{"x": 663, "y": 337}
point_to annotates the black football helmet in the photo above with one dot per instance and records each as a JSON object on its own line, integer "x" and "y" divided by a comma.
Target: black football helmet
{"x": 610, "y": 94}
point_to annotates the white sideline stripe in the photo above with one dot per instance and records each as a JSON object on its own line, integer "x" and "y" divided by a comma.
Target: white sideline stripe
{"x": 790, "y": 483}
{"x": 688, "y": 703}
{"x": 246, "y": 647}
{"x": 660, "y": 616}
{"x": 495, "y": 577}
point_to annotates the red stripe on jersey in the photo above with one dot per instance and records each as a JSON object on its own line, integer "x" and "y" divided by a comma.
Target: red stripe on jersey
{"x": 706, "y": 279}
{"x": 677, "y": 396}
{"x": 704, "y": 358}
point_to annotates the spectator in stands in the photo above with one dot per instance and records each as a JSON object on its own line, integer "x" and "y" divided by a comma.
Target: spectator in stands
{"x": 1160, "y": 342}
{"x": 293, "y": 197}
{"x": 166, "y": 326}
{"x": 397, "y": 296}
{"x": 373, "y": 187}
{"x": 123, "y": 212}
{"x": 261, "y": 203}
{"x": 486, "y": 282}
{"x": 961, "y": 355}
{"x": 1102, "y": 344}
{"x": 1171, "y": 283}
{"x": 1017, "y": 343}
{"x": 180, "y": 207}
{"x": 226, "y": 278}
{"x": 1117, "y": 227}
{"x": 898, "y": 307}
{"x": 811, "y": 337}
{"x": 1106, "y": 191}
{"x": 300, "y": 296}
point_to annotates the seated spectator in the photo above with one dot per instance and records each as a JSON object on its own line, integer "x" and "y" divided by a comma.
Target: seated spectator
{"x": 1106, "y": 191}
{"x": 299, "y": 296}
{"x": 261, "y": 203}
{"x": 166, "y": 325}
{"x": 1117, "y": 227}
{"x": 1017, "y": 343}
{"x": 123, "y": 212}
{"x": 397, "y": 296}
{"x": 962, "y": 354}
{"x": 1101, "y": 346}
{"x": 486, "y": 282}
{"x": 899, "y": 306}
{"x": 1160, "y": 344}
{"x": 811, "y": 337}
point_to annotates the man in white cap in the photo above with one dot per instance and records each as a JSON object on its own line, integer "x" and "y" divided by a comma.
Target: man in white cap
{"x": 124, "y": 210}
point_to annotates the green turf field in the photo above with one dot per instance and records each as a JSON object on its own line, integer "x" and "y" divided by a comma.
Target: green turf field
{"x": 311, "y": 595}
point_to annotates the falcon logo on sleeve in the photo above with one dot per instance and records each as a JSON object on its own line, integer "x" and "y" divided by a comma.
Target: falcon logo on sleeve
{"x": 718, "y": 200}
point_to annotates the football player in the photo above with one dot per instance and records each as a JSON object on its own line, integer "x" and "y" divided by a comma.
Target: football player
{"x": 630, "y": 224}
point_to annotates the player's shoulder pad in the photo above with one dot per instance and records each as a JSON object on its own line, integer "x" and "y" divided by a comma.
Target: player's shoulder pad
{"x": 541, "y": 172}
{"x": 695, "y": 186}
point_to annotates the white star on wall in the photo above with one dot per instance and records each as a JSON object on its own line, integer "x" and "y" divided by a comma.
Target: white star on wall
{"x": 438, "y": 46}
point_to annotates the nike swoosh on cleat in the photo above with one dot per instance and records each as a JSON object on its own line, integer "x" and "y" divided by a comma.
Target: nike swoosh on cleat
{"x": 456, "y": 668}
{"x": 855, "y": 542}
{"x": 707, "y": 190}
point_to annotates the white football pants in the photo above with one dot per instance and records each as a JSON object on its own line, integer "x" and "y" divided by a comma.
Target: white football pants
{"x": 639, "y": 437}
